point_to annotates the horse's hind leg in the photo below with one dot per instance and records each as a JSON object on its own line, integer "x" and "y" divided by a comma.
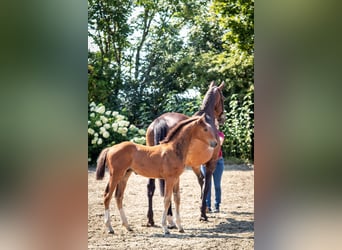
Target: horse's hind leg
{"x": 107, "y": 197}
{"x": 167, "y": 200}
{"x": 112, "y": 184}
{"x": 171, "y": 224}
{"x": 176, "y": 197}
{"x": 119, "y": 193}
{"x": 150, "y": 192}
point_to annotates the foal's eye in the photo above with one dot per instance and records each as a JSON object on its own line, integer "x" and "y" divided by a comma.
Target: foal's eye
{"x": 205, "y": 129}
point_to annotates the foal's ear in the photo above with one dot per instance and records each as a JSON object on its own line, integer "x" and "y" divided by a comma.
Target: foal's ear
{"x": 221, "y": 86}
{"x": 202, "y": 118}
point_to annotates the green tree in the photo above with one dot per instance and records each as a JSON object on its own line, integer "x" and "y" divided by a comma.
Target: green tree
{"x": 150, "y": 51}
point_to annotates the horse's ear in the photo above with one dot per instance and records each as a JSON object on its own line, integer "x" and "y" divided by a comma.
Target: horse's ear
{"x": 221, "y": 86}
{"x": 212, "y": 84}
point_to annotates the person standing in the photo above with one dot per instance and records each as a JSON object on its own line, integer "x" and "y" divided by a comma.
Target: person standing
{"x": 217, "y": 176}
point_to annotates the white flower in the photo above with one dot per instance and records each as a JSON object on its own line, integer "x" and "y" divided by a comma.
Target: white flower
{"x": 93, "y": 141}
{"x": 123, "y": 131}
{"x": 107, "y": 126}
{"x": 105, "y": 134}
{"x": 139, "y": 140}
{"x": 141, "y": 131}
{"x": 115, "y": 113}
{"x": 108, "y": 112}
{"x": 102, "y": 130}
{"x": 132, "y": 127}
{"x": 92, "y": 109}
{"x": 115, "y": 127}
{"x": 92, "y": 104}
{"x": 101, "y": 109}
{"x": 120, "y": 117}
{"x": 96, "y": 135}
{"x": 91, "y": 131}
{"x": 104, "y": 119}
{"x": 98, "y": 123}
{"x": 123, "y": 123}
{"x": 99, "y": 141}
{"x": 89, "y": 159}
{"x": 92, "y": 115}
{"x": 88, "y": 122}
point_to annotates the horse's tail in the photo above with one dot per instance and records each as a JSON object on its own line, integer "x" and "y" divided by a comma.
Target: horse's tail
{"x": 160, "y": 131}
{"x": 101, "y": 164}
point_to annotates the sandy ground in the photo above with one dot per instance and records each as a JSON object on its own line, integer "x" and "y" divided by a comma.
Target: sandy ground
{"x": 232, "y": 228}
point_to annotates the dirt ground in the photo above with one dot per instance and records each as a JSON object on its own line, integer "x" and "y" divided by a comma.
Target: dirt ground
{"x": 232, "y": 228}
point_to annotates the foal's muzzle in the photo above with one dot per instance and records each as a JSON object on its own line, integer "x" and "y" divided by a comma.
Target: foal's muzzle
{"x": 213, "y": 144}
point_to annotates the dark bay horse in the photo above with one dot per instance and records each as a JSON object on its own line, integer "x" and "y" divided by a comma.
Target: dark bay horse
{"x": 165, "y": 160}
{"x": 212, "y": 107}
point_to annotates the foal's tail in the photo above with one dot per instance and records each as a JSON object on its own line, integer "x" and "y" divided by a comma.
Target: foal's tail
{"x": 101, "y": 164}
{"x": 160, "y": 132}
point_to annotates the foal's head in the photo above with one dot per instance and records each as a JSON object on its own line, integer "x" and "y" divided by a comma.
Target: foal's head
{"x": 204, "y": 132}
{"x": 197, "y": 126}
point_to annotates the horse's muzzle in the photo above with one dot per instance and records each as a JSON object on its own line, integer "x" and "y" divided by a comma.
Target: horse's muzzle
{"x": 213, "y": 144}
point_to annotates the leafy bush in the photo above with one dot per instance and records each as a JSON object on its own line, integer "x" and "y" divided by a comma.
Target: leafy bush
{"x": 239, "y": 128}
{"x": 106, "y": 128}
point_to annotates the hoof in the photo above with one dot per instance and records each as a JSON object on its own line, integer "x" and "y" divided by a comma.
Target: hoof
{"x": 110, "y": 231}
{"x": 171, "y": 226}
{"x": 150, "y": 224}
{"x": 129, "y": 229}
{"x": 204, "y": 218}
{"x": 181, "y": 230}
{"x": 166, "y": 232}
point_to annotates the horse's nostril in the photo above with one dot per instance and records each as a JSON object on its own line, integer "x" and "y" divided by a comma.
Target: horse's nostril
{"x": 213, "y": 144}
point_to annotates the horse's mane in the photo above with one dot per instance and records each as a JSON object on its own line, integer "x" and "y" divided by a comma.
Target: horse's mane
{"x": 208, "y": 101}
{"x": 175, "y": 130}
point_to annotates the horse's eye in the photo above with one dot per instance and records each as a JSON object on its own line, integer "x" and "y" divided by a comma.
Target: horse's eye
{"x": 205, "y": 129}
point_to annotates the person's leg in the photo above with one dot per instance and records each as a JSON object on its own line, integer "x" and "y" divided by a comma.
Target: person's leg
{"x": 208, "y": 199}
{"x": 217, "y": 175}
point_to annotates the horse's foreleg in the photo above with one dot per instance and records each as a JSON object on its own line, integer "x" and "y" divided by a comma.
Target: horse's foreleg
{"x": 200, "y": 177}
{"x": 207, "y": 181}
{"x": 119, "y": 193}
{"x": 167, "y": 200}
{"x": 176, "y": 197}
{"x": 150, "y": 192}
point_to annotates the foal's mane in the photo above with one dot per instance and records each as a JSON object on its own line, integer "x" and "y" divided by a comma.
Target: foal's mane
{"x": 175, "y": 130}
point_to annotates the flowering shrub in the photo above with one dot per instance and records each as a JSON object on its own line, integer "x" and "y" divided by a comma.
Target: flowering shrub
{"x": 106, "y": 128}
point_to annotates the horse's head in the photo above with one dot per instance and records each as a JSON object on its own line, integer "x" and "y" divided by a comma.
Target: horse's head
{"x": 219, "y": 104}
{"x": 205, "y": 132}
{"x": 213, "y": 102}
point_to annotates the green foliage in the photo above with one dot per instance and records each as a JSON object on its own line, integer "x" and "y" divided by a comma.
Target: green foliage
{"x": 149, "y": 52}
{"x": 185, "y": 105}
{"x": 106, "y": 128}
{"x": 239, "y": 128}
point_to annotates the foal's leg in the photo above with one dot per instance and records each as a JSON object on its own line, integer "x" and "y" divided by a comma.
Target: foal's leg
{"x": 167, "y": 200}
{"x": 107, "y": 197}
{"x": 169, "y": 217}
{"x": 199, "y": 175}
{"x": 176, "y": 197}
{"x": 113, "y": 182}
{"x": 119, "y": 193}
